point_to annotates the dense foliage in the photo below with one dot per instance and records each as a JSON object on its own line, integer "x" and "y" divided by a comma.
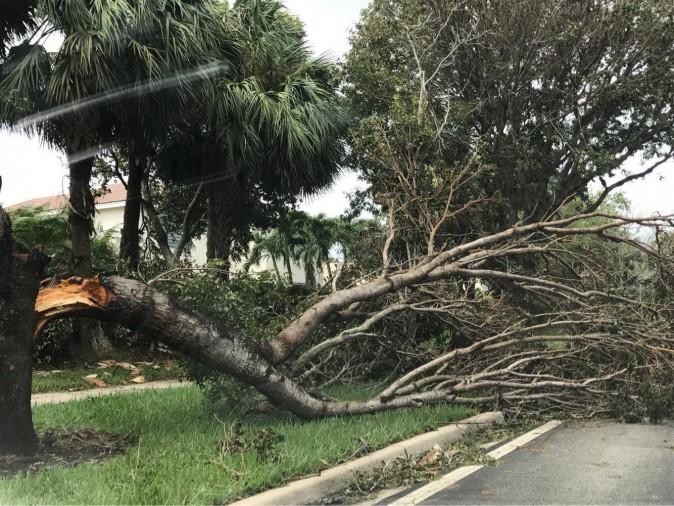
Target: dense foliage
{"x": 513, "y": 105}
{"x": 258, "y": 305}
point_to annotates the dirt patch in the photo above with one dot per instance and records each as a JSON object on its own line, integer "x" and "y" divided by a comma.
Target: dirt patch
{"x": 65, "y": 449}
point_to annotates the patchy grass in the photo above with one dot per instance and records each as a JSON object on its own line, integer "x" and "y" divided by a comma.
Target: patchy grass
{"x": 72, "y": 379}
{"x": 185, "y": 454}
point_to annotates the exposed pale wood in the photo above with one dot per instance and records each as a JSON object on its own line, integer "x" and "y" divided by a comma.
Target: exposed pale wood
{"x": 70, "y": 296}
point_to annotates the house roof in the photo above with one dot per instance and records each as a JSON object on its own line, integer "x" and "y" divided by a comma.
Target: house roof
{"x": 115, "y": 193}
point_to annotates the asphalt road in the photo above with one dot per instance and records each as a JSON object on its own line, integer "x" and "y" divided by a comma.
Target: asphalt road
{"x": 578, "y": 463}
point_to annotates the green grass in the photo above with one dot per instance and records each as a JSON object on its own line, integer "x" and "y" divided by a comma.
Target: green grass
{"x": 73, "y": 379}
{"x": 177, "y": 439}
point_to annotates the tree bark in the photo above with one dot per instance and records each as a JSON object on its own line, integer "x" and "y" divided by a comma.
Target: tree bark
{"x": 221, "y": 204}
{"x": 276, "y": 271}
{"x": 129, "y": 249}
{"x": 81, "y": 213}
{"x": 90, "y": 341}
{"x": 19, "y": 284}
{"x": 157, "y": 229}
{"x": 158, "y": 233}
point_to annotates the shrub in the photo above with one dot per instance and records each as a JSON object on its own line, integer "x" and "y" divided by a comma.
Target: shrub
{"x": 257, "y": 304}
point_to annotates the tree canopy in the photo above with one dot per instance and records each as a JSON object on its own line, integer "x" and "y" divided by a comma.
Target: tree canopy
{"x": 539, "y": 97}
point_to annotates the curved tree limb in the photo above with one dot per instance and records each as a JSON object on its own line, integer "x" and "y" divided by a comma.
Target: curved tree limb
{"x": 217, "y": 345}
{"x": 213, "y": 343}
{"x": 436, "y": 266}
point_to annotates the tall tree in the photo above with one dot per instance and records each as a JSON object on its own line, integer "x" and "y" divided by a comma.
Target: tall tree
{"x": 62, "y": 97}
{"x": 268, "y": 132}
{"x": 166, "y": 55}
{"x": 275, "y": 246}
{"x": 18, "y": 288}
{"x": 16, "y": 18}
{"x": 315, "y": 238}
{"x": 69, "y": 97}
{"x": 539, "y": 96}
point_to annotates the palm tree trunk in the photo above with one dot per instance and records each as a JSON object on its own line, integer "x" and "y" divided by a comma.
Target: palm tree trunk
{"x": 309, "y": 273}
{"x": 81, "y": 214}
{"x": 224, "y": 207}
{"x": 129, "y": 249}
{"x": 89, "y": 338}
{"x": 289, "y": 268}
{"x": 276, "y": 270}
{"x": 19, "y": 284}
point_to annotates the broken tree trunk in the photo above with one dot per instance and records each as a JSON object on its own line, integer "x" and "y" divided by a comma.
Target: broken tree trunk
{"x": 212, "y": 343}
{"x": 19, "y": 284}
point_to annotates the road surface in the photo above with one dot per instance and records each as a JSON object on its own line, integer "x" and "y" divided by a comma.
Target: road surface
{"x": 597, "y": 462}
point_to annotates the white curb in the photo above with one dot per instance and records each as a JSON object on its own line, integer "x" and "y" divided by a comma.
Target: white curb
{"x": 313, "y": 489}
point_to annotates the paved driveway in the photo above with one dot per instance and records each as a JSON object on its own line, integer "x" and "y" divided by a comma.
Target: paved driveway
{"x": 577, "y": 463}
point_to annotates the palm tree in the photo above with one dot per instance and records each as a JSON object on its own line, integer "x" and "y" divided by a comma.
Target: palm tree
{"x": 37, "y": 227}
{"x": 115, "y": 59}
{"x": 59, "y": 96}
{"x": 269, "y": 131}
{"x": 33, "y": 226}
{"x": 185, "y": 44}
{"x": 16, "y": 19}
{"x": 318, "y": 236}
{"x": 68, "y": 97}
{"x": 271, "y": 245}
{"x": 301, "y": 238}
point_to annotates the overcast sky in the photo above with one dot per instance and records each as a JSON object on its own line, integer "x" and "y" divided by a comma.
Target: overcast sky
{"x": 30, "y": 169}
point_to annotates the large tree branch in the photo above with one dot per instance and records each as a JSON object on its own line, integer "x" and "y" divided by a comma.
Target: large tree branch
{"x": 217, "y": 345}
{"x": 190, "y": 222}
{"x": 621, "y": 182}
{"x": 158, "y": 231}
{"x": 429, "y": 269}
{"x": 187, "y": 230}
{"x": 212, "y": 343}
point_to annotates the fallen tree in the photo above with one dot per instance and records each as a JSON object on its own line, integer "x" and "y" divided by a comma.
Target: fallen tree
{"x": 569, "y": 357}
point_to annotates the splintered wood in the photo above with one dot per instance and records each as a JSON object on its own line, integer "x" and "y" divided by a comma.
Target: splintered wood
{"x": 68, "y": 297}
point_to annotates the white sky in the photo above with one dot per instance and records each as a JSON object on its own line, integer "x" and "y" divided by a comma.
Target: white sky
{"x": 30, "y": 169}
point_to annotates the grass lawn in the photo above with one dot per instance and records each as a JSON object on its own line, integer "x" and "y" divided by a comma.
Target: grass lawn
{"x": 177, "y": 457}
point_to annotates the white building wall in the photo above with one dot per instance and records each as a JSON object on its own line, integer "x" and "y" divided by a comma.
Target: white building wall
{"x": 198, "y": 251}
{"x": 111, "y": 217}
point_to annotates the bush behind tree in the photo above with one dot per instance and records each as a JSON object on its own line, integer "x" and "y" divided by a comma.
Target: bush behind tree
{"x": 257, "y": 304}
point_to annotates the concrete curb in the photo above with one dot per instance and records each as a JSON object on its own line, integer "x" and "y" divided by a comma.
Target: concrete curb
{"x": 61, "y": 397}
{"x": 312, "y": 490}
